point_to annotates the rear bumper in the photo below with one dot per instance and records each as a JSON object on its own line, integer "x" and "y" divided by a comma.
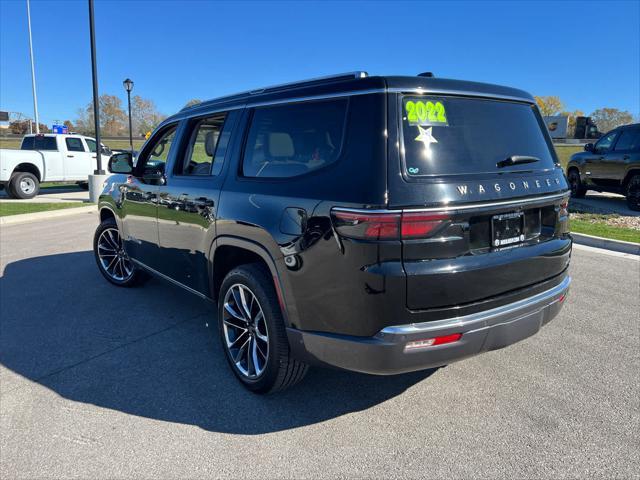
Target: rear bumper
{"x": 384, "y": 353}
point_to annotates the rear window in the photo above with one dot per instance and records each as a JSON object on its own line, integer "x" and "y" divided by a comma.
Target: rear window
{"x": 456, "y": 135}
{"x": 39, "y": 143}
{"x": 291, "y": 140}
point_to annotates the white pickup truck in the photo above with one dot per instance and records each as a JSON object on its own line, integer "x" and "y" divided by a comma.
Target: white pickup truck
{"x": 48, "y": 158}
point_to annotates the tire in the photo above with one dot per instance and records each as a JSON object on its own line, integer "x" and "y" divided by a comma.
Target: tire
{"x": 112, "y": 260}
{"x": 578, "y": 190}
{"x": 23, "y": 185}
{"x": 633, "y": 193}
{"x": 256, "y": 345}
{"x": 84, "y": 185}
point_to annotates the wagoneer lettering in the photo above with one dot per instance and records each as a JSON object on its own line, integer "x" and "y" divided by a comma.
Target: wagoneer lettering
{"x": 375, "y": 224}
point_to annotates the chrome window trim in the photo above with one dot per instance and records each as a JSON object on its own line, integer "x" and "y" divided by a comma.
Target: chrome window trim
{"x": 476, "y": 321}
{"x": 460, "y": 93}
{"x": 469, "y": 206}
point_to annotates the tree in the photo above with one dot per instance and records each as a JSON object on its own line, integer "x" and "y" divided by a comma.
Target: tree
{"x": 549, "y": 106}
{"x": 144, "y": 115}
{"x": 609, "y": 118}
{"x": 571, "y": 130}
{"x": 112, "y": 117}
{"x": 21, "y": 127}
{"x": 192, "y": 102}
{"x": 69, "y": 125}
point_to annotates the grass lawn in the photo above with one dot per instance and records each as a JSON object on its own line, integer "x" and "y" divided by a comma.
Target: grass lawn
{"x": 591, "y": 226}
{"x": 17, "y": 208}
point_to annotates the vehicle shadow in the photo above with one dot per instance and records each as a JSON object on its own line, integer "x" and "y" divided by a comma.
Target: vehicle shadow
{"x": 146, "y": 352}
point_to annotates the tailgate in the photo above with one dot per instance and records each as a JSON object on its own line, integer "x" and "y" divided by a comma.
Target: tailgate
{"x": 460, "y": 264}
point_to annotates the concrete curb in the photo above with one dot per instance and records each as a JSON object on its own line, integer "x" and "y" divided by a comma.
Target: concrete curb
{"x": 606, "y": 243}
{"x": 34, "y": 217}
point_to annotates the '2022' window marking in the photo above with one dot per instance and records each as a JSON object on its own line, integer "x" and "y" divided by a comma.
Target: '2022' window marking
{"x": 426, "y": 113}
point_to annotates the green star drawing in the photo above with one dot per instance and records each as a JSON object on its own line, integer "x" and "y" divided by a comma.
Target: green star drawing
{"x": 426, "y": 137}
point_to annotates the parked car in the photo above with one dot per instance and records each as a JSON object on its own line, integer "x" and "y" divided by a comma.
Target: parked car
{"x": 375, "y": 224}
{"x": 611, "y": 165}
{"x": 47, "y": 158}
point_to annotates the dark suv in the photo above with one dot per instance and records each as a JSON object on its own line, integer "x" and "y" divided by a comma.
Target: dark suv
{"x": 375, "y": 224}
{"x": 611, "y": 165}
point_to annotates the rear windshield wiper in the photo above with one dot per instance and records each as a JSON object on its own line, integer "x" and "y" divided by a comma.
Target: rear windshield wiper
{"x": 516, "y": 160}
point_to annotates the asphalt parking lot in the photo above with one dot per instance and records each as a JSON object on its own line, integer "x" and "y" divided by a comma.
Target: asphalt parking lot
{"x": 102, "y": 382}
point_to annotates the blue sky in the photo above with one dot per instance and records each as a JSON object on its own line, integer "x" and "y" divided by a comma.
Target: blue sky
{"x": 588, "y": 53}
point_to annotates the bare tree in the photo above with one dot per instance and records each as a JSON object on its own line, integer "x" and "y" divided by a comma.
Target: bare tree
{"x": 609, "y": 118}
{"x": 145, "y": 115}
{"x": 192, "y": 102}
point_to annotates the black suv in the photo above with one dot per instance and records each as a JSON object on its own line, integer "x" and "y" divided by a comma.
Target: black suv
{"x": 375, "y": 224}
{"x": 611, "y": 165}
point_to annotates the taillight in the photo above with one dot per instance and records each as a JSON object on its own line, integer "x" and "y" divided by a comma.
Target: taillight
{"x": 386, "y": 226}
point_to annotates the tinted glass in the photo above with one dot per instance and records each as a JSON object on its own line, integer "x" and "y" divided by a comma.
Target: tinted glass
{"x": 39, "y": 143}
{"x": 604, "y": 144}
{"x": 629, "y": 140}
{"x": 155, "y": 156}
{"x": 74, "y": 144}
{"x": 291, "y": 140}
{"x": 91, "y": 144}
{"x": 448, "y": 135}
{"x": 207, "y": 138}
{"x": 27, "y": 143}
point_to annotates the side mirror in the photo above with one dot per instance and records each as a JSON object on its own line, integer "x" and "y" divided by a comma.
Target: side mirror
{"x": 121, "y": 163}
{"x": 589, "y": 147}
{"x": 105, "y": 151}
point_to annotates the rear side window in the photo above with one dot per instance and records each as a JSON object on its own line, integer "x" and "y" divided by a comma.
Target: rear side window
{"x": 629, "y": 140}
{"x": 91, "y": 144}
{"x": 291, "y": 140}
{"x": 74, "y": 144}
{"x": 39, "y": 143}
{"x": 458, "y": 135}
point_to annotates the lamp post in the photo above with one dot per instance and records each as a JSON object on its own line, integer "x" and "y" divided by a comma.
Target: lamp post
{"x": 128, "y": 86}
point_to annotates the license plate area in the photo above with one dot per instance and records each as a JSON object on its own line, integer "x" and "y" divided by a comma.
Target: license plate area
{"x": 507, "y": 229}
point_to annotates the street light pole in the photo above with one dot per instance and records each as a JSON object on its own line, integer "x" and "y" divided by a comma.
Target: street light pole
{"x": 96, "y": 106}
{"x": 128, "y": 86}
{"x": 33, "y": 72}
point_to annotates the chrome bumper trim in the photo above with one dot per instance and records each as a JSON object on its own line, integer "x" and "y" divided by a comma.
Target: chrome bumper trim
{"x": 487, "y": 318}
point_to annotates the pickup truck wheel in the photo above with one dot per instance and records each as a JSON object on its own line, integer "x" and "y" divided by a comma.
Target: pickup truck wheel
{"x": 633, "y": 193}
{"x": 252, "y": 331}
{"x": 83, "y": 185}
{"x": 578, "y": 190}
{"x": 24, "y": 185}
{"x": 113, "y": 262}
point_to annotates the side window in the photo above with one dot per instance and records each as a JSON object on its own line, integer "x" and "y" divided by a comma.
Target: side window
{"x": 91, "y": 144}
{"x": 27, "y": 143}
{"x": 204, "y": 154}
{"x": 291, "y": 140}
{"x": 629, "y": 140}
{"x": 74, "y": 144}
{"x": 155, "y": 155}
{"x": 41, "y": 142}
{"x": 604, "y": 144}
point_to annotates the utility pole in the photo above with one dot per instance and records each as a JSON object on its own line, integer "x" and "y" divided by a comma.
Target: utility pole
{"x": 33, "y": 72}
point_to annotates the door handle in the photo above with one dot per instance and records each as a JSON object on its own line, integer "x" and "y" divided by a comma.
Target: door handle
{"x": 70, "y": 156}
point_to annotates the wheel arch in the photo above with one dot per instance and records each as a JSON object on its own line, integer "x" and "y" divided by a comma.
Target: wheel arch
{"x": 630, "y": 173}
{"x": 29, "y": 168}
{"x": 228, "y": 252}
